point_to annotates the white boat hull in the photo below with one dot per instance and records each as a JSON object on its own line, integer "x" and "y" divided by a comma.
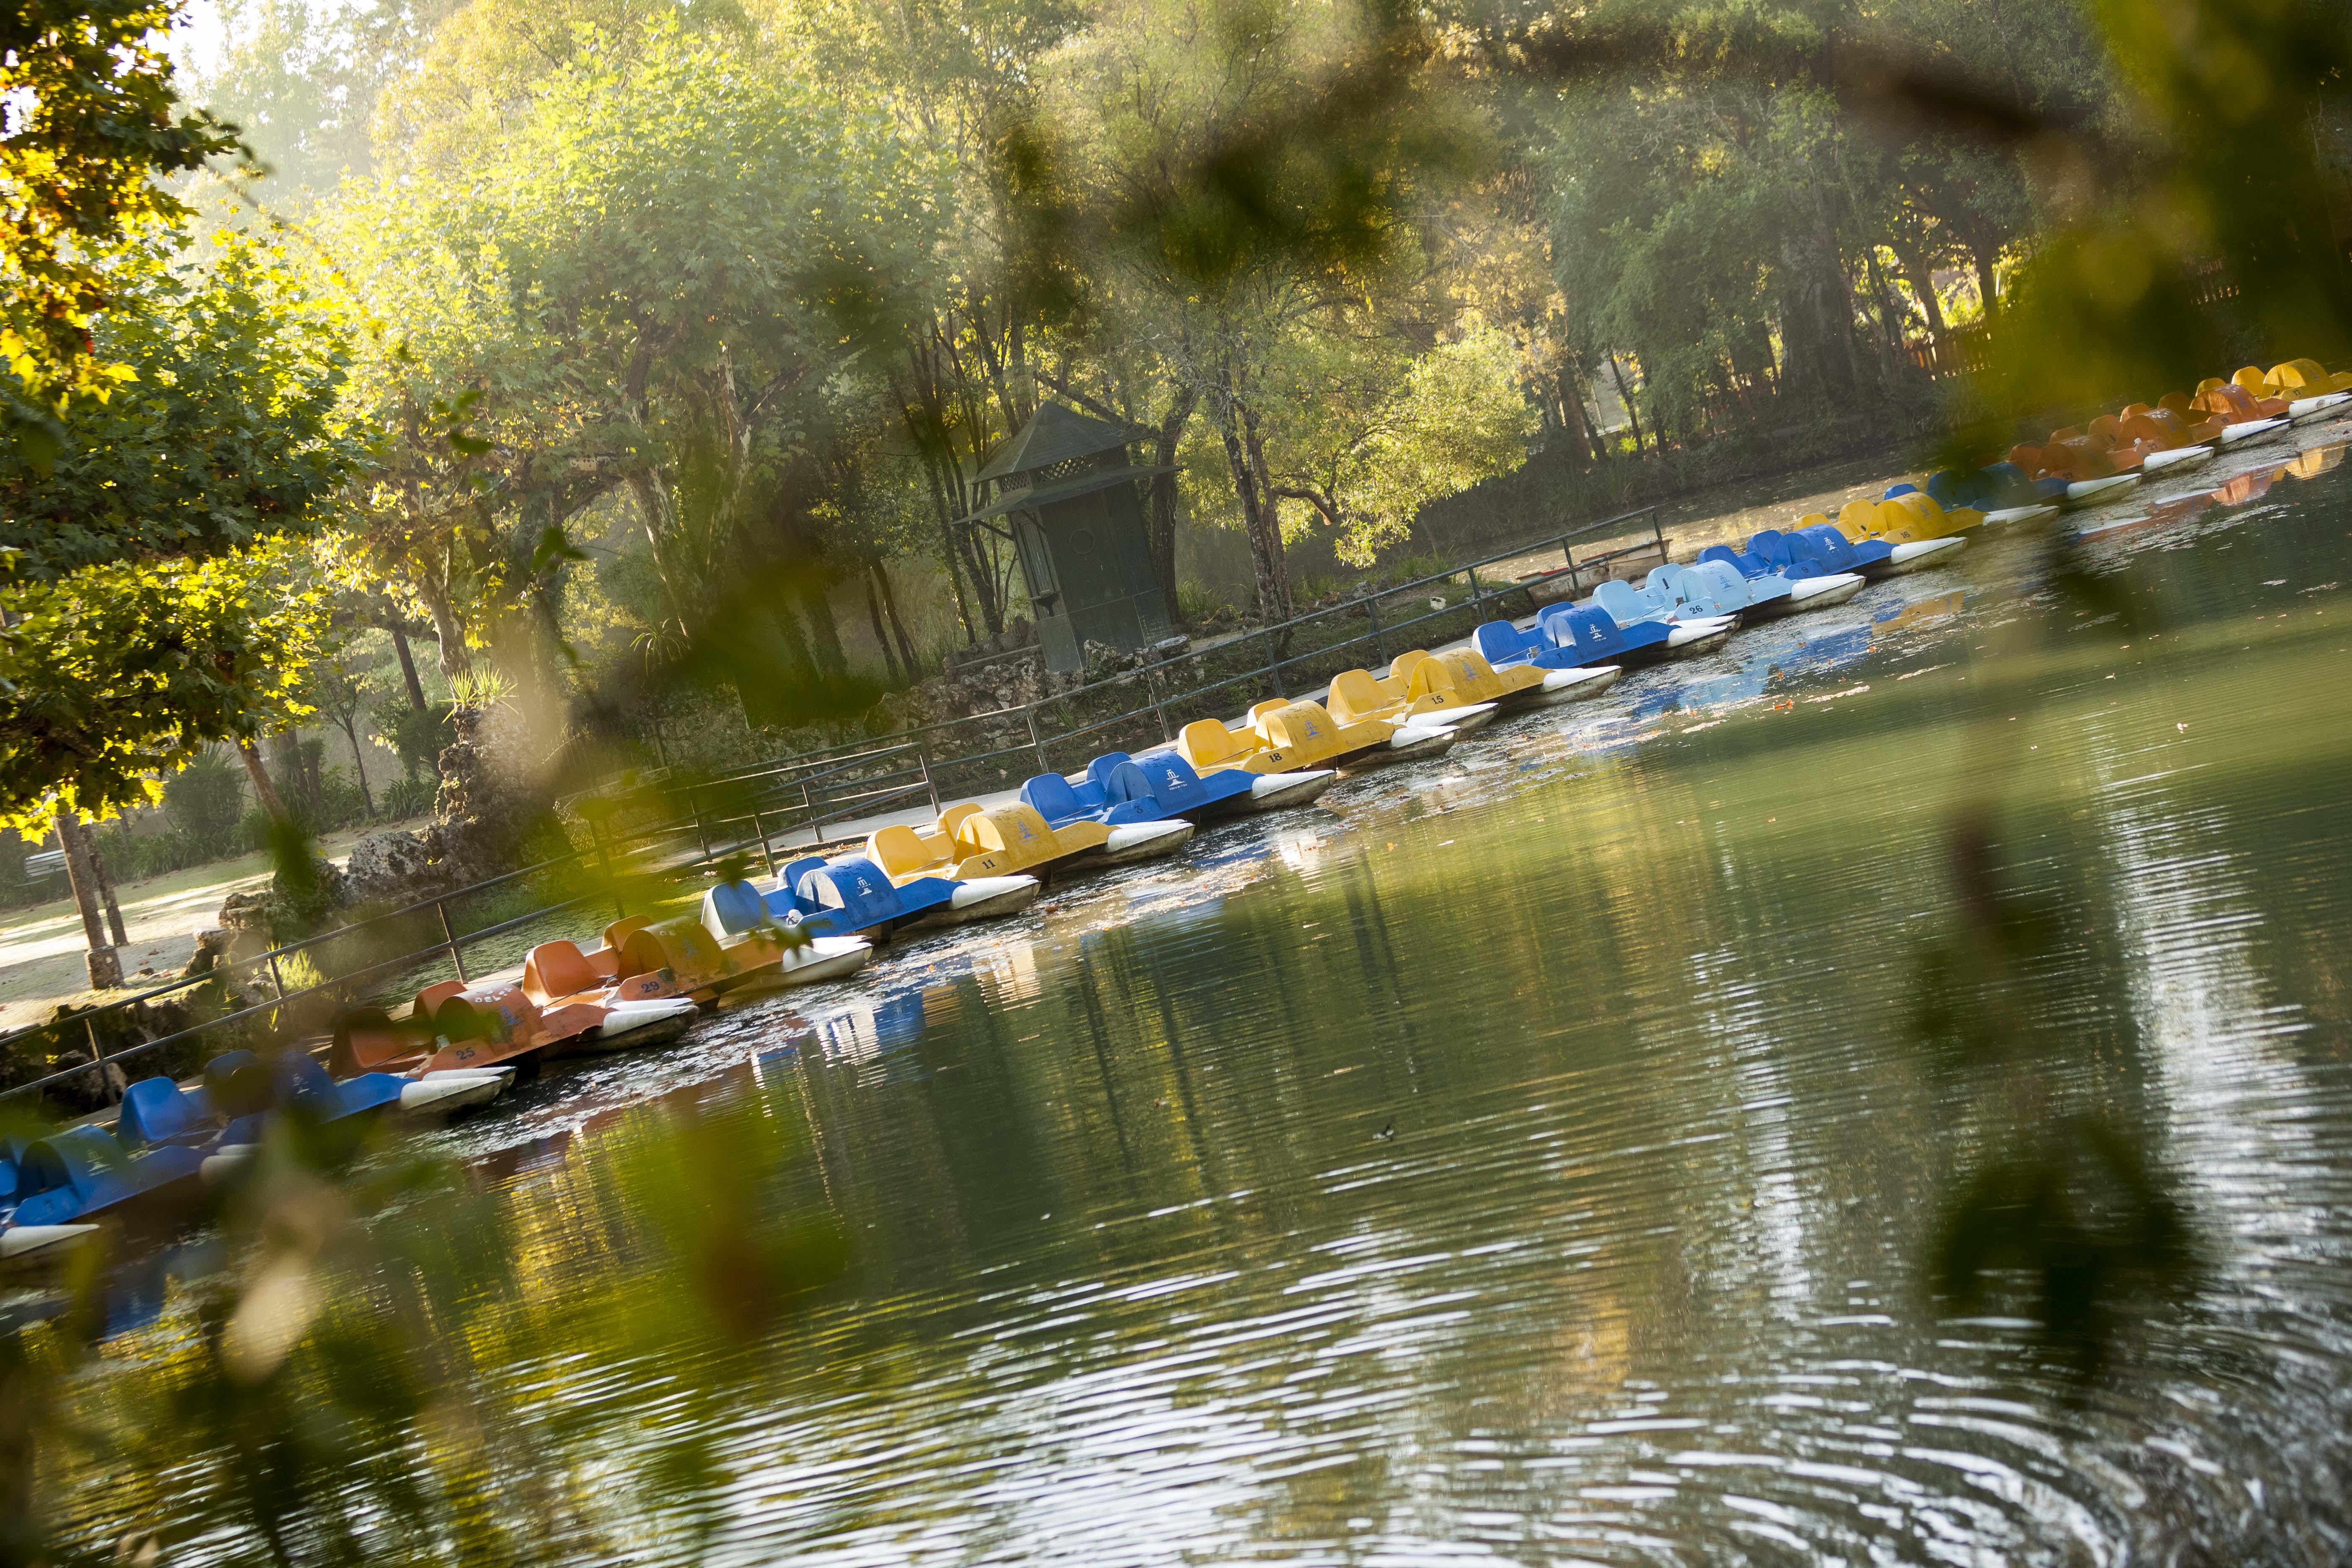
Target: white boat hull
{"x": 1469, "y": 716}
{"x": 1821, "y": 593}
{"x": 1573, "y": 685}
{"x": 2089, "y": 493}
{"x": 825, "y": 958}
{"x": 442, "y": 1096}
{"x": 1410, "y": 743}
{"x": 2177, "y": 458}
{"x": 2249, "y": 430}
{"x": 1272, "y": 792}
{"x": 1688, "y": 639}
{"x": 987, "y": 898}
{"x": 2010, "y": 516}
{"x": 1142, "y": 841}
{"x": 2304, "y": 410}
{"x": 29, "y": 1240}
{"x": 1918, "y": 554}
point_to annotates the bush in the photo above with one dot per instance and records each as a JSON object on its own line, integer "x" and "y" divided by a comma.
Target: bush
{"x": 132, "y": 859}
{"x": 201, "y": 799}
{"x": 418, "y": 735}
{"x": 405, "y": 797}
{"x": 341, "y": 804}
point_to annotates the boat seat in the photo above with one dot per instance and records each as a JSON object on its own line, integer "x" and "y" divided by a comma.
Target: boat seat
{"x": 157, "y": 1110}
{"x": 853, "y": 885}
{"x": 954, "y": 816}
{"x": 1355, "y": 697}
{"x": 1501, "y": 643}
{"x": 1624, "y": 603}
{"x": 557, "y": 969}
{"x": 731, "y": 908}
{"x": 429, "y": 1001}
{"x": 1207, "y": 743}
{"x": 1302, "y": 726}
{"x": 899, "y": 851}
{"x": 1401, "y": 667}
{"x": 1018, "y": 829}
{"x": 1098, "y": 771}
{"x": 1127, "y": 783}
{"x": 1050, "y": 797}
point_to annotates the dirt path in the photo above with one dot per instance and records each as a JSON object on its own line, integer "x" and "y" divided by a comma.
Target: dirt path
{"x": 41, "y": 948}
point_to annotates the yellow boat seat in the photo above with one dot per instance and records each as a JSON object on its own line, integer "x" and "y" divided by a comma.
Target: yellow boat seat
{"x": 904, "y": 854}
{"x": 1355, "y": 697}
{"x": 1401, "y": 667}
{"x": 1005, "y": 839}
{"x": 1208, "y": 745}
{"x": 1463, "y": 676}
{"x": 2306, "y": 378}
{"x": 953, "y": 816}
{"x": 2251, "y": 378}
{"x": 1303, "y": 734}
{"x": 2211, "y": 384}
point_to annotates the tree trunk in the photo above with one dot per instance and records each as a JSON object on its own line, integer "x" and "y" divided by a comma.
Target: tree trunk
{"x": 1580, "y": 437}
{"x": 1161, "y": 525}
{"x": 453, "y": 660}
{"x": 105, "y": 963}
{"x": 263, "y": 791}
{"x": 359, "y": 765}
{"x": 105, "y": 888}
{"x": 1266, "y": 545}
{"x": 1987, "y": 260}
{"x": 897, "y": 625}
{"x": 818, "y": 606}
{"x": 407, "y": 665}
{"x": 1617, "y": 374}
{"x": 881, "y": 636}
{"x": 1920, "y": 273}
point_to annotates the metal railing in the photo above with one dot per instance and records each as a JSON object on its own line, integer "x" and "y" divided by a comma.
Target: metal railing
{"x": 752, "y": 809}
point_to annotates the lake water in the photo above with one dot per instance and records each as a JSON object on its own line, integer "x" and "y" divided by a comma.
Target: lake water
{"x": 1536, "y": 1156}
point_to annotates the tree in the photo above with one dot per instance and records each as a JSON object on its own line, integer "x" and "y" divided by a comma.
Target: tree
{"x": 1370, "y": 433}
{"x": 344, "y": 698}
{"x": 156, "y": 600}
{"x": 112, "y": 675}
{"x": 89, "y": 136}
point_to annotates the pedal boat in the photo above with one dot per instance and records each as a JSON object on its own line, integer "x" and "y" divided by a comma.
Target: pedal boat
{"x": 1916, "y": 528}
{"x": 1765, "y": 590}
{"x": 1357, "y": 696}
{"x": 60, "y": 1190}
{"x": 1466, "y": 673}
{"x": 2309, "y": 390}
{"x": 850, "y": 895}
{"x": 454, "y": 1027}
{"x": 1629, "y": 607}
{"x": 1177, "y": 789}
{"x": 1576, "y": 637}
{"x": 969, "y": 841}
{"x": 1997, "y": 495}
{"x": 228, "y": 1107}
{"x": 730, "y": 950}
{"x": 1286, "y": 736}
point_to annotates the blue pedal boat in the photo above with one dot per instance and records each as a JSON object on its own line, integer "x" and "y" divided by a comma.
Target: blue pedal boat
{"x": 2004, "y": 492}
{"x": 1569, "y": 637}
{"x": 55, "y": 1190}
{"x": 1776, "y": 590}
{"x": 850, "y": 895}
{"x": 1162, "y": 785}
{"x": 228, "y": 1109}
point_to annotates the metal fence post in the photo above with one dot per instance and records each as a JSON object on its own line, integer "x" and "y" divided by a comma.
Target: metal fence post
{"x": 1030, "y": 712}
{"x": 275, "y": 978}
{"x": 700, "y": 836}
{"x": 765, "y": 853}
{"x": 1474, "y": 589}
{"x": 808, "y": 810}
{"x": 1272, "y": 668}
{"x": 89, "y": 1027}
{"x": 1151, "y": 679}
{"x": 449, "y": 937}
{"x": 924, "y": 762}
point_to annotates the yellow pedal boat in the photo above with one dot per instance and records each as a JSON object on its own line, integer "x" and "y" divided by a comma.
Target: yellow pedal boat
{"x": 970, "y": 840}
{"x": 1288, "y": 736}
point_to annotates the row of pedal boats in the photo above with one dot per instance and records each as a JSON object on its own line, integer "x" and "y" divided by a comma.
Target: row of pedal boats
{"x": 645, "y": 981}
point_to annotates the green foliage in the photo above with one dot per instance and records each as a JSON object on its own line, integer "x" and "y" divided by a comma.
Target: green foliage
{"x": 418, "y": 735}
{"x": 406, "y": 797}
{"x": 113, "y": 674}
{"x": 89, "y": 136}
{"x": 229, "y": 434}
{"x": 204, "y": 799}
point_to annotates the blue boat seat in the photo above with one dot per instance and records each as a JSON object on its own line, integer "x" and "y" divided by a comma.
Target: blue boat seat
{"x": 82, "y": 1171}
{"x": 1499, "y": 643}
{"x": 158, "y": 1111}
{"x": 733, "y": 908}
{"x": 851, "y": 892}
{"x": 1050, "y": 797}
